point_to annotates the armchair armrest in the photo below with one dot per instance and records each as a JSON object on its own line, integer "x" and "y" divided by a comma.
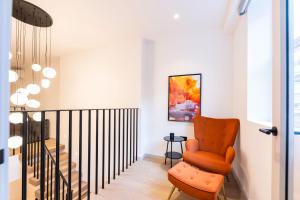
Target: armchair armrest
{"x": 192, "y": 145}
{"x": 230, "y": 153}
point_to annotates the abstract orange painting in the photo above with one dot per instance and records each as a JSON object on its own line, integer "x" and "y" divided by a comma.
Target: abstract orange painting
{"x": 184, "y": 97}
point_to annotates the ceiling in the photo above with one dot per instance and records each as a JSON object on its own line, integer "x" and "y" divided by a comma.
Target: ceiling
{"x": 83, "y": 24}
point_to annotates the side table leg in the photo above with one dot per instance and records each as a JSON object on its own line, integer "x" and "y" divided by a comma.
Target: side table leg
{"x": 171, "y": 154}
{"x": 166, "y": 153}
{"x": 181, "y": 148}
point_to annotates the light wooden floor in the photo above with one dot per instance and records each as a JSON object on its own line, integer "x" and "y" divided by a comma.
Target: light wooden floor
{"x": 147, "y": 180}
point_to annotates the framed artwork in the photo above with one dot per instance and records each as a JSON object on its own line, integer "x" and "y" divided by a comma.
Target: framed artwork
{"x": 184, "y": 101}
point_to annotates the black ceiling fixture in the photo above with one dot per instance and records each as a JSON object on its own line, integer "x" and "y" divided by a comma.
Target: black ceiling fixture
{"x": 31, "y": 14}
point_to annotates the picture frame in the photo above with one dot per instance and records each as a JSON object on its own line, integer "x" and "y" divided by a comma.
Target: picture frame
{"x": 184, "y": 97}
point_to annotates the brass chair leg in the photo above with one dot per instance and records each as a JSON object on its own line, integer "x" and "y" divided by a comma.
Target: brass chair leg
{"x": 172, "y": 190}
{"x": 224, "y": 192}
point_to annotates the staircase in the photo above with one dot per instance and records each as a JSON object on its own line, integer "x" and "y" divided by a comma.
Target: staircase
{"x": 50, "y": 184}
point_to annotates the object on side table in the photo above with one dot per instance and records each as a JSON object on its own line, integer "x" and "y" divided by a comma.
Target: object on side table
{"x": 171, "y": 136}
{"x": 171, "y": 154}
{"x": 212, "y": 149}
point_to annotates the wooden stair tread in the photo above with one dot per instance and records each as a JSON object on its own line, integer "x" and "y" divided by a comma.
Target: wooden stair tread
{"x": 64, "y": 169}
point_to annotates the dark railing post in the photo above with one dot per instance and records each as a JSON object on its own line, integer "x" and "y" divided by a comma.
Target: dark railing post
{"x": 47, "y": 190}
{"x": 103, "y": 149}
{"x": 70, "y": 156}
{"x": 80, "y": 153}
{"x": 24, "y": 157}
{"x": 57, "y": 182}
{"x": 114, "y": 164}
{"x": 119, "y": 140}
{"x": 35, "y": 154}
{"x": 97, "y": 149}
{"x": 133, "y": 135}
{"x": 43, "y": 152}
{"x": 127, "y": 130}
{"x": 109, "y": 146}
{"x": 123, "y": 138}
{"x": 130, "y": 137}
{"x": 89, "y": 154}
{"x": 137, "y": 129}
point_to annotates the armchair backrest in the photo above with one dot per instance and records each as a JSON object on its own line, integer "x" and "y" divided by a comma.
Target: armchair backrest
{"x": 215, "y": 135}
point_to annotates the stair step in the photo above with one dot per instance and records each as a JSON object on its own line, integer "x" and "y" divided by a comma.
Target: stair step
{"x": 63, "y": 168}
{"x": 75, "y": 187}
{"x": 63, "y": 160}
{"x": 51, "y": 149}
{"x": 63, "y": 157}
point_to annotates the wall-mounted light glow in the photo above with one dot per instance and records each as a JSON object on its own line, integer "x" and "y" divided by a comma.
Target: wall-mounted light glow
{"x": 16, "y": 118}
{"x": 15, "y": 142}
{"x": 176, "y": 16}
{"x": 32, "y": 103}
{"x": 45, "y": 83}
{"x": 12, "y": 76}
{"x": 18, "y": 99}
{"x": 33, "y": 88}
{"x": 36, "y": 67}
{"x": 49, "y": 72}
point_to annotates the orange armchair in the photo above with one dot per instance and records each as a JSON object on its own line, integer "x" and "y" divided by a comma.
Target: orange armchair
{"x": 212, "y": 149}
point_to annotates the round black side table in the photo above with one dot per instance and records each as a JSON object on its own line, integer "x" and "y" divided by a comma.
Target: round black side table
{"x": 172, "y": 154}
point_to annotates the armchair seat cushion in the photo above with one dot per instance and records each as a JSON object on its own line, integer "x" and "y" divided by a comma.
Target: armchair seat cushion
{"x": 207, "y": 161}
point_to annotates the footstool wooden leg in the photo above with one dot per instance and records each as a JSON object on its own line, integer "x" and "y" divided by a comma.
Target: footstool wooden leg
{"x": 172, "y": 190}
{"x": 224, "y": 193}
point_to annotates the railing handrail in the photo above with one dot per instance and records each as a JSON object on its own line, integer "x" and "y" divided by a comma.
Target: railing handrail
{"x": 54, "y": 162}
{"x": 66, "y": 110}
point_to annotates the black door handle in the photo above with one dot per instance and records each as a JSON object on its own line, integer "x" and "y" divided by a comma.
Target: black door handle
{"x": 269, "y": 131}
{"x": 1, "y": 156}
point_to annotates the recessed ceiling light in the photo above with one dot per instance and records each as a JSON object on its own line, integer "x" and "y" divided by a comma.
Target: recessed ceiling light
{"x": 176, "y": 16}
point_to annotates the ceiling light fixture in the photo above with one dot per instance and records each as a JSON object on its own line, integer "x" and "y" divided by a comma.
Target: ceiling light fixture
{"x": 176, "y": 16}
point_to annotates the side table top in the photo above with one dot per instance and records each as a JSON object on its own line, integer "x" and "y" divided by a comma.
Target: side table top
{"x": 176, "y": 139}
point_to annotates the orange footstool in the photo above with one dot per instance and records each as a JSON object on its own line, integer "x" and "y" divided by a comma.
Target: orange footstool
{"x": 195, "y": 182}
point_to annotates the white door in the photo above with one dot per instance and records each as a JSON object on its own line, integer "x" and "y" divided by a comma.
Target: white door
{"x": 260, "y": 99}
{"x": 5, "y": 17}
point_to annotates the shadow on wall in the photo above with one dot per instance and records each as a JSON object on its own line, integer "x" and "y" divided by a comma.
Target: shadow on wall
{"x": 238, "y": 171}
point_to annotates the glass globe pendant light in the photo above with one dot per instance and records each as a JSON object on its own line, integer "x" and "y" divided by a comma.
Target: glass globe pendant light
{"x": 49, "y": 72}
{"x": 36, "y": 67}
{"x": 45, "y": 83}
{"x": 33, "y": 88}
{"x": 16, "y": 118}
{"x": 18, "y": 99}
{"x": 32, "y": 103}
{"x": 15, "y": 142}
{"x": 12, "y": 76}
{"x": 9, "y": 55}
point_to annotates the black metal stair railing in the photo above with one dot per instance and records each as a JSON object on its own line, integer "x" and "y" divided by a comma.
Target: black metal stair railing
{"x": 51, "y": 180}
{"x": 117, "y": 129}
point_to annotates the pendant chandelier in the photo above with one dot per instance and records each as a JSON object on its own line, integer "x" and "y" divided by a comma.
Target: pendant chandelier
{"x": 31, "y": 24}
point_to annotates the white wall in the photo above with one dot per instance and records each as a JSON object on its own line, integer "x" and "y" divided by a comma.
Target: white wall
{"x": 209, "y": 53}
{"x": 106, "y": 77}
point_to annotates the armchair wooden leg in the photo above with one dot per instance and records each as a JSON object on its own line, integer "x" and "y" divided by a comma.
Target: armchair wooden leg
{"x": 172, "y": 190}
